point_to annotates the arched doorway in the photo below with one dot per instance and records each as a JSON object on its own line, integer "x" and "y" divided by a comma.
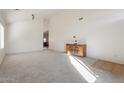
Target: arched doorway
{"x": 1, "y": 36}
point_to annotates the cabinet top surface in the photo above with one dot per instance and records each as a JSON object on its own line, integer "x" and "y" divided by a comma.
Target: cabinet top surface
{"x": 76, "y": 44}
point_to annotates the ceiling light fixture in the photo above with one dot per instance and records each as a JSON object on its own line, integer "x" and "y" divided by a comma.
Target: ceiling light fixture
{"x": 80, "y": 19}
{"x": 17, "y": 9}
{"x": 33, "y": 16}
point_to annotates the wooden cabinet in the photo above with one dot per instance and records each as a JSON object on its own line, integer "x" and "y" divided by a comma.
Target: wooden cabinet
{"x": 76, "y": 49}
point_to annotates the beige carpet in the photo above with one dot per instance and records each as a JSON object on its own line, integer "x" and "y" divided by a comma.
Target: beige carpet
{"x": 43, "y": 66}
{"x": 49, "y": 66}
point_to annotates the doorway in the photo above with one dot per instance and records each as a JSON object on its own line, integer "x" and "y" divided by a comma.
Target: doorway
{"x": 46, "y": 39}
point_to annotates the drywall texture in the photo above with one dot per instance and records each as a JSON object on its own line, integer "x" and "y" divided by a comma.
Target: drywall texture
{"x": 24, "y": 36}
{"x": 101, "y": 30}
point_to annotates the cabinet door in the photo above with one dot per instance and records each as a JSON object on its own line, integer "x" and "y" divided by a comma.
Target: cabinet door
{"x": 80, "y": 50}
{"x": 69, "y": 49}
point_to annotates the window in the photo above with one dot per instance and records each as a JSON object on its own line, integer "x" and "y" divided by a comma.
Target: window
{"x": 1, "y": 36}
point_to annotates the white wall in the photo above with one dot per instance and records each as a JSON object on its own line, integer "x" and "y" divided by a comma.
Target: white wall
{"x": 102, "y": 31}
{"x": 45, "y": 24}
{"x": 2, "y": 54}
{"x": 24, "y": 36}
{"x": 2, "y": 50}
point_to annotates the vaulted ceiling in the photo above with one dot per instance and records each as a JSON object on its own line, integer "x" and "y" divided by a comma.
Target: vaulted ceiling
{"x": 15, "y": 15}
